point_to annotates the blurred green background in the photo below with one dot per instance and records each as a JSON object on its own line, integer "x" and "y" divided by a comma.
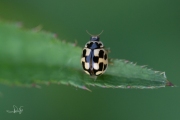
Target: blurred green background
{"x": 142, "y": 31}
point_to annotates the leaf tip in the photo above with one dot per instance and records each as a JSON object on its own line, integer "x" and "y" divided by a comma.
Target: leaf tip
{"x": 19, "y": 24}
{"x": 37, "y": 28}
{"x": 55, "y": 35}
{"x": 36, "y": 86}
{"x": 75, "y": 43}
{"x": 156, "y": 71}
{"x": 143, "y": 66}
{"x": 135, "y": 64}
{"x": 85, "y": 88}
{"x": 168, "y": 83}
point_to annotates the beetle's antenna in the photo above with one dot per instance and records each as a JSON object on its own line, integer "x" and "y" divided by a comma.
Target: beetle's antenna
{"x": 100, "y": 33}
{"x": 94, "y": 35}
{"x": 89, "y": 33}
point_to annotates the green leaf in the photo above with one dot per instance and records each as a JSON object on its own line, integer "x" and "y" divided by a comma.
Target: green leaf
{"x": 32, "y": 57}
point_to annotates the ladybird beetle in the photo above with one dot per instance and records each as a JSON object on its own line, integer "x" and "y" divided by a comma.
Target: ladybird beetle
{"x": 94, "y": 58}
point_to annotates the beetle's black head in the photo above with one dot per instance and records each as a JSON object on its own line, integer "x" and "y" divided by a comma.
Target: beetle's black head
{"x": 94, "y": 38}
